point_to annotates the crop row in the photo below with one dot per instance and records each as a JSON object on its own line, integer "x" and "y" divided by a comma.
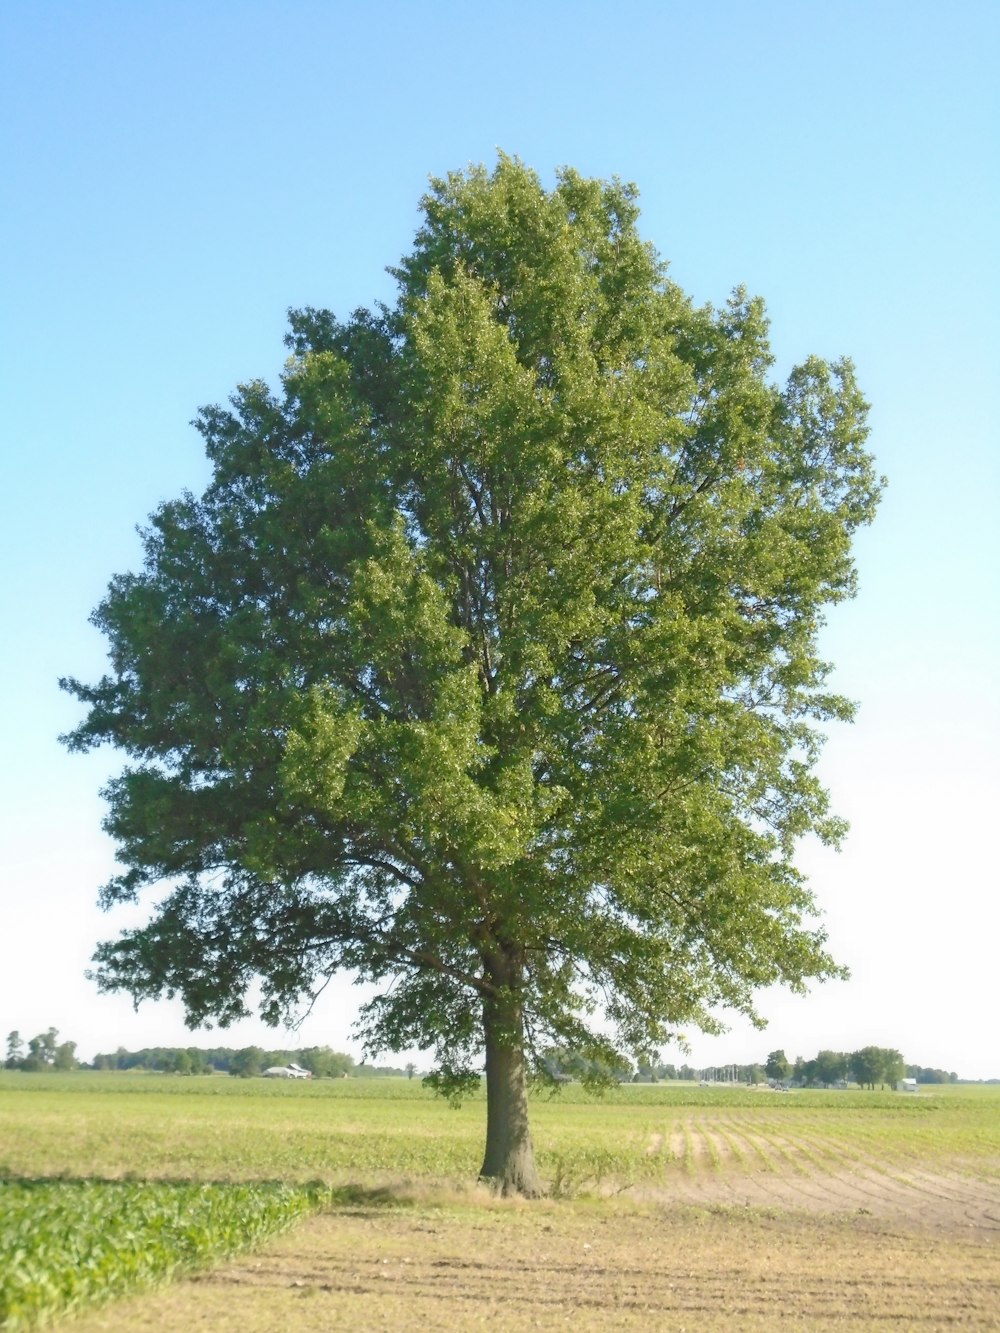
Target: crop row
{"x": 71, "y": 1243}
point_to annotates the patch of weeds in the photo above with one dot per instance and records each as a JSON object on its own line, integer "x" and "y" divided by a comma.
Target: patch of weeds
{"x": 586, "y": 1169}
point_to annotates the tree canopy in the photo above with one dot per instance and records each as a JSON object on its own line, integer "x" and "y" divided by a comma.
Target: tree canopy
{"x": 876, "y": 1064}
{"x": 45, "y": 1051}
{"x": 777, "y": 1066}
{"x": 486, "y": 665}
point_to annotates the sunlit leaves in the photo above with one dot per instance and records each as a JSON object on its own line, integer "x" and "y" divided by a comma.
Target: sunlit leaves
{"x": 491, "y": 648}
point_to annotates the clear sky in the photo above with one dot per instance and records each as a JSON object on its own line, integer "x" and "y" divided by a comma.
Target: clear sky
{"x": 174, "y": 176}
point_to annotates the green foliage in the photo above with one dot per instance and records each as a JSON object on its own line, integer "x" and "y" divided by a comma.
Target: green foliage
{"x": 867, "y": 1066}
{"x": 876, "y": 1064}
{"x": 71, "y": 1243}
{"x": 828, "y": 1068}
{"x": 45, "y": 1051}
{"x": 777, "y": 1066}
{"x": 15, "y": 1050}
{"x": 321, "y": 1061}
{"x": 486, "y": 664}
{"x": 248, "y": 1062}
{"x": 924, "y": 1074}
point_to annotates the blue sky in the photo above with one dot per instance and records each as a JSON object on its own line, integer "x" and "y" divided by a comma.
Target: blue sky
{"x": 173, "y": 178}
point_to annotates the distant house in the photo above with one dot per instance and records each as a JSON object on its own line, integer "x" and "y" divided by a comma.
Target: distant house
{"x": 907, "y": 1085}
{"x": 290, "y": 1070}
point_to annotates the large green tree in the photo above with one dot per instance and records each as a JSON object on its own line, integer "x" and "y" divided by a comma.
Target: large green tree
{"x": 777, "y": 1066}
{"x": 486, "y": 664}
{"x": 876, "y": 1064}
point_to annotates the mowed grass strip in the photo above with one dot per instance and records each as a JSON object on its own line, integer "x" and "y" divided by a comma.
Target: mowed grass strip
{"x": 71, "y": 1243}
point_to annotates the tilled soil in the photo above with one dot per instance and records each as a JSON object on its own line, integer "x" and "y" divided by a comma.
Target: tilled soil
{"x": 734, "y": 1165}
{"x": 596, "y": 1265}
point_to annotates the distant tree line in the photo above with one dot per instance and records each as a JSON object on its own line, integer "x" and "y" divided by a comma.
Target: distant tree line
{"x": 867, "y": 1067}
{"x": 46, "y": 1052}
{"x": 934, "y": 1075}
{"x": 562, "y": 1065}
{"x": 245, "y": 1062}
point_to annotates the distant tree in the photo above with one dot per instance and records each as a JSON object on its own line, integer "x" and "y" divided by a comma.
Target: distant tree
{"x": 411, "y": 1069}
{"x": 41, "y": 1051}
{"x": 829, "y": 1067}
{"x": 247, "y": 1063}
{"x": 893, "y": 1066}
{"x": 876, "y": 1064}
{"x": 866, "y": 1066}
{"x": 64, "y": 1057}
{"x": 322, "y": 1062}
{"x": 754, "y": 1074}
{"x": 928, "y": 1075}
{"x": 15, "y": 1050}
{"x": 777, "y": 1066}
{"x": 486, "y": 665}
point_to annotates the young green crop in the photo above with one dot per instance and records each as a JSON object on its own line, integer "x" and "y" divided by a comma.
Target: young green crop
{"x": 217, "y": 1129}
{"x": 71, "y": 1243}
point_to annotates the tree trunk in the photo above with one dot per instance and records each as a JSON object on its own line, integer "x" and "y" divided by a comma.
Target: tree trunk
{"x": 509, "y": 1162}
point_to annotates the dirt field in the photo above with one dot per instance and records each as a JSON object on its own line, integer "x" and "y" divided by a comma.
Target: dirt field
{"x": 733, "y": 1164}
{"x": 674, "y": 1209}
{"x": 383, "y": 1264}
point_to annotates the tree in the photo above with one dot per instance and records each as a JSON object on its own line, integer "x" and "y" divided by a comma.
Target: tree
{"x": 41, "y": 1051}
{"x": 247, "y": 1063}
{"x": 828, "y": 1068}
{"x": 777, "y": 1066}
{"x": 486, "y": 664}
{"x": 876, "y": 1064}
{"x": 893, "y": 1066}
{"x": 928, "y": 1075}
{"x": 322, "y": 1062}
{"x": 64, "y": 1056}
{"x": 15, "y": 1050}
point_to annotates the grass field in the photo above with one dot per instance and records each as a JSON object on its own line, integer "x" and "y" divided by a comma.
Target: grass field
{"x": 675, "y": 1200}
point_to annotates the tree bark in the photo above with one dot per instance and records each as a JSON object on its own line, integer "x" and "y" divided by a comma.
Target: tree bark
{"x": 509, "y": 1162}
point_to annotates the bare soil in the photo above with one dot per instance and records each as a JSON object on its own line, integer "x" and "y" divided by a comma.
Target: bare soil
{"x": 924, "y": 1254}
{"x": 738, "y": 1167}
